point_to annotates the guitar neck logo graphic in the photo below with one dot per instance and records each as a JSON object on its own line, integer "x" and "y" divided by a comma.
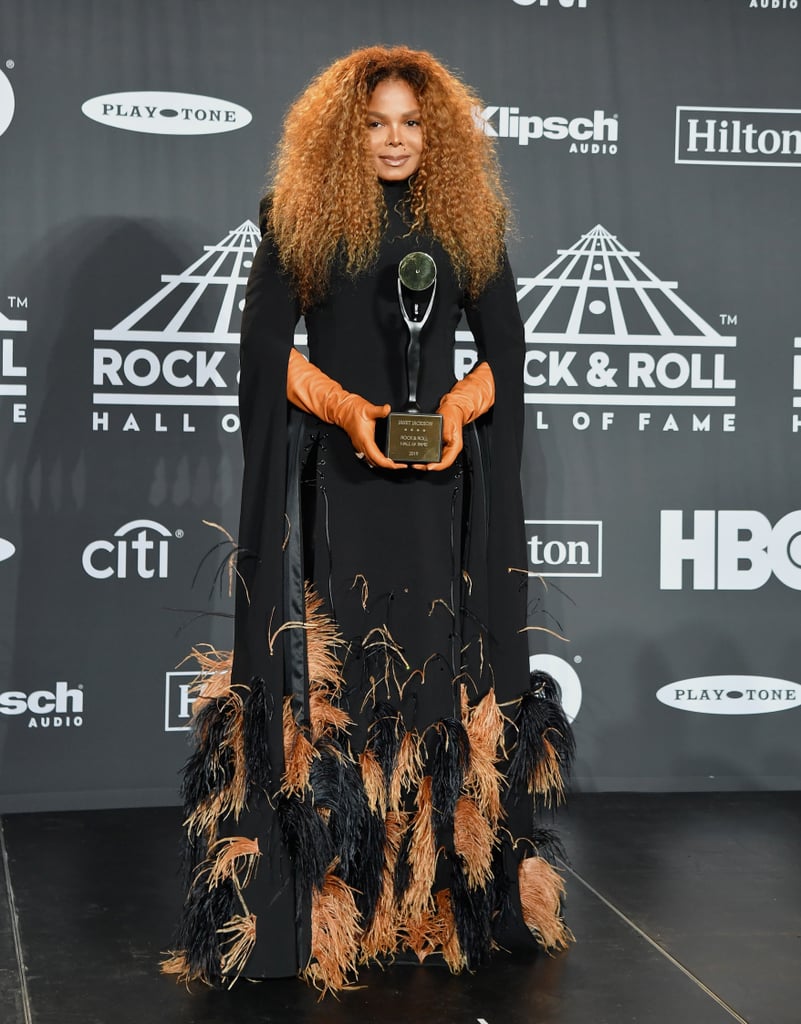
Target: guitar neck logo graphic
{"x": 603, "y": 330}
{"x": 178, "y": 350}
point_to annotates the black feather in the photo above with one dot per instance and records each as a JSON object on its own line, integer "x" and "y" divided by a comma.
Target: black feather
{"x": 258, "y": 710}
{"x": 548, "y": 844}
{"x": 403, "y": 871}
{"x": 539, "y": 716}
{"x": 307, "y": 839}
{"x": 194, "y": 850}
{"x": 471, "y": 912}
{"x": 209, "y": 768}
{"x": 205, "y": 910}
{"x": 449, "y": 763}
{"x": 386, "y": 734}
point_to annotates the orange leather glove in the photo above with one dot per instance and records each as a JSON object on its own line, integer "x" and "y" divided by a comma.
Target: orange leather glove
{"x": 468, "y": 399}
{"x": 315, "y": 392}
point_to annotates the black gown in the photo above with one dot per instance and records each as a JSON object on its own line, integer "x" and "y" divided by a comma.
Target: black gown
{"x": 370, "y": 762}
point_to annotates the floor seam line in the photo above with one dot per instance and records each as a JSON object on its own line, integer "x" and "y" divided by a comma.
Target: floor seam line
{"x": 661, "y": 949}
{"x": 12, "y": 908}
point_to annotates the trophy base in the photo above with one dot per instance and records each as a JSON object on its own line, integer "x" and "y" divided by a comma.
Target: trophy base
{"x": 413, "y": 437}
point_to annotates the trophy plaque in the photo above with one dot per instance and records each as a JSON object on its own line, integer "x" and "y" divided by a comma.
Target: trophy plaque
{"x": 414, "y": 436}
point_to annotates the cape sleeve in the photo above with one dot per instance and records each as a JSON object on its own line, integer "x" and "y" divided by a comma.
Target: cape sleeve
{"x": 494, "y": 319}
{"x": 268, "y": 323}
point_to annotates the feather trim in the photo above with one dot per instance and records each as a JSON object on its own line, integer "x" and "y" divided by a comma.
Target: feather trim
{"x": 232, "y": 857}
{"x": 335, "y": 936}
{"x": 241, "y": 932}
{"x": 542, "y": 890}
{"x": 422, "y": 856}
{"x": 474, "y": 840}
{"x": 485, "y": 724}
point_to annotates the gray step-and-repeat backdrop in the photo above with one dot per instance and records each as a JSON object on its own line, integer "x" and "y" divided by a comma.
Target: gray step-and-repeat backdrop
{"x": 653, "y": 153}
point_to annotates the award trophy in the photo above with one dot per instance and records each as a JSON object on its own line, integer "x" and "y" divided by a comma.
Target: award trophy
{"x": 412, "y": 435}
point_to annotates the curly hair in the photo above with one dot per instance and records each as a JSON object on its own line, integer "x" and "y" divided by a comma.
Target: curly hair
{"x": 325, "y": 198}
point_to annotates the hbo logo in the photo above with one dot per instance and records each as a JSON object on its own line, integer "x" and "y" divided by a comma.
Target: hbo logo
{"x": 734, "y": 549}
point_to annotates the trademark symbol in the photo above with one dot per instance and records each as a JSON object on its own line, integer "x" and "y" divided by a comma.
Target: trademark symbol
{"x": 728, "y": 319}
{"x": 9, "y": 64}
{"x": 18, "y": 301}
{"x": 179, "y": 534}
{"x": 577, "y": 659}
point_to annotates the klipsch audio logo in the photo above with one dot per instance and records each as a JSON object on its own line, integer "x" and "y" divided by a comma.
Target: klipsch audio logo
{"x": 6, "y": 99}
{"x": 735, "y": 549}
{"x": 138, "y": 549}
{"x": 604, "y": 333}
{"x": 48, "y": 709}
{"x": 13, "y": 371}
{"x": 178, "y": 700}
{"x": 596, "y": 134}
{"x": 768, "y": 5}
{"x": 731, "y": 695}
{"x": 738, "y": 135}
{"x": 167, "y": 113}
{"x": 564, "y": 547}
{"x": 178, "y": 351}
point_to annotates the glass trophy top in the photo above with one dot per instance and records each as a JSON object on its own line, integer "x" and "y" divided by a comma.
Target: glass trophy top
{"x": 417, "y": 271}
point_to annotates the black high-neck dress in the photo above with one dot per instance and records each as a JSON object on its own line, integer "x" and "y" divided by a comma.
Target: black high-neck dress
{"x": 368, "y": 771}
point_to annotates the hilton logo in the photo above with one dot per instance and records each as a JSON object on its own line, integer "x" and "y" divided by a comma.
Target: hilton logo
{"x": 564, "y": 547}
{"x": 738, "y": 135}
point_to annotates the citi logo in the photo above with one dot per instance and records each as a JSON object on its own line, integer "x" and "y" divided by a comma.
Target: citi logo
{"x": 59, "y": 708}
{"x": 552, "y": 3}
{"x": 564, "y": 547}
{"x": 7, "y": 549}
{"x": 736, "y": 549}
{"x": 139, "y": 548}
{"x": 738, "y": 135}
{"x": 166, "y": 113}
{"x": 731, "y": 695}
{"x": 6, "y": 102}
{"x": 596, "y": 134}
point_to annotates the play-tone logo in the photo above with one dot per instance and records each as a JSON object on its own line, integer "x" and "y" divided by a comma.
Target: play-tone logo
{"x": 139, "y": 549}
{"x": 731, "y": 695}
{"x": 762, "y": 136}
{"x": 166, "y": 113}
{"x": 594, "y": 135}
{"x": 564, "y": 547}
{"x": 603, "y": 332}
{"x": 7, "y": 549}
{"x": 177, "y": 352}
{"x": 49, "y": 709}
{"x": 565, "y": 675}
{"x": 6, "y": 102}
{"x": 735, "y": 549}
{"x": 13, "y": 371}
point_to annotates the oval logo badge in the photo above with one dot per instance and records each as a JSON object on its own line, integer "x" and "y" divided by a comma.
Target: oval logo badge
{"x": 6, "y": 102}
{"x": 167, "y": 113}
{"x": 731, "y": 695}
{"x": 7, "y": 549}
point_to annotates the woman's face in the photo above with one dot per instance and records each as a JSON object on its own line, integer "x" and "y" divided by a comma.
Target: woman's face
{"x": 394, "y": 132}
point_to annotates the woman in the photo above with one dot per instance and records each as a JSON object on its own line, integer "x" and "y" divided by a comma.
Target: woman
{"x": 368, "y": 767}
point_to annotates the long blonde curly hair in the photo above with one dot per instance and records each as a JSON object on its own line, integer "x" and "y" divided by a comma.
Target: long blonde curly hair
{"x": 325, "y": 197}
